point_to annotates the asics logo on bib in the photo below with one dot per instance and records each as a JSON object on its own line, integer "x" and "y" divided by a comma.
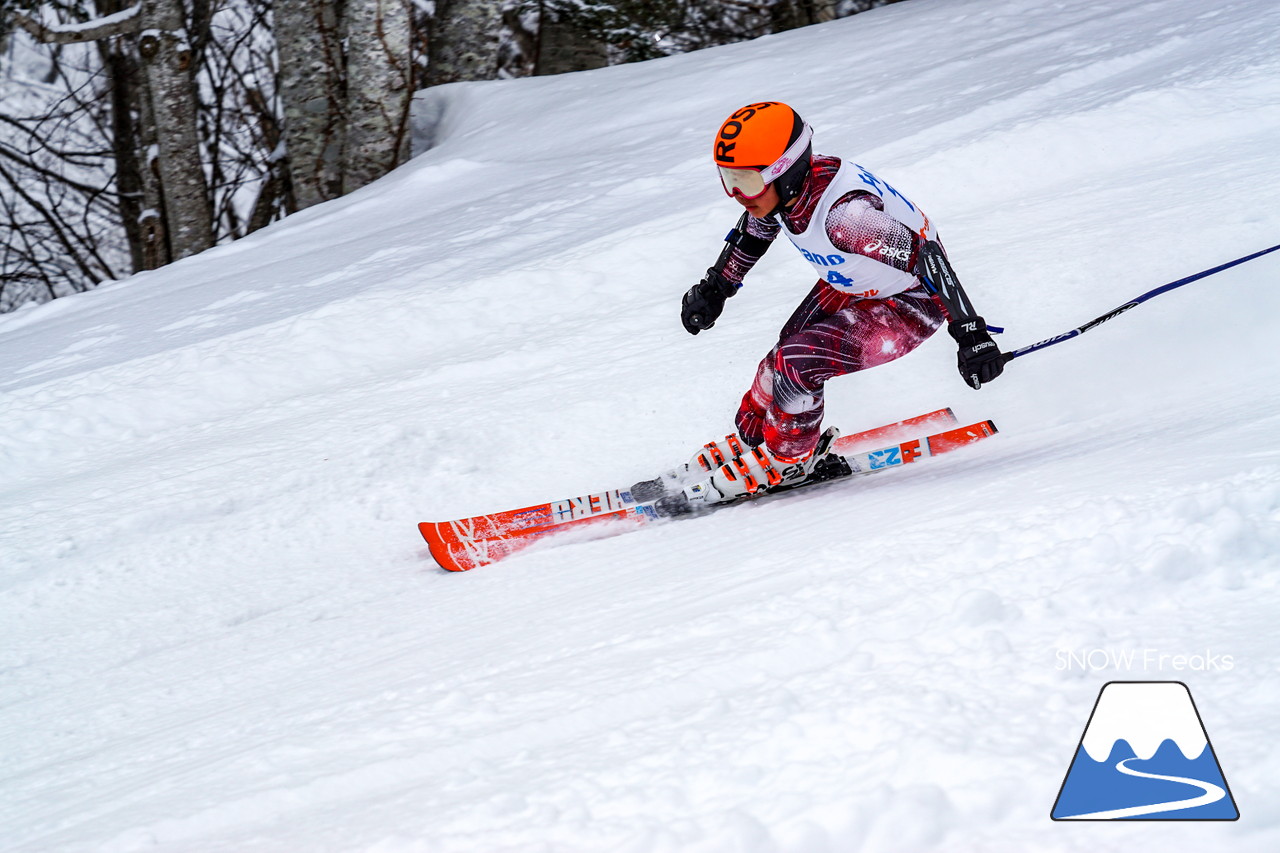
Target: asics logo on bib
{"x": 885, "y": 250}
{"x": 822, "y": 260}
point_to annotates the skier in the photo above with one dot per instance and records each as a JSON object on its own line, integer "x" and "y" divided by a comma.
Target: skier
{"x": 884, "y": 287}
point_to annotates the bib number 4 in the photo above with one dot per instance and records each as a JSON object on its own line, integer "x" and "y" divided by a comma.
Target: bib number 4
{"x": 840, "y": 281}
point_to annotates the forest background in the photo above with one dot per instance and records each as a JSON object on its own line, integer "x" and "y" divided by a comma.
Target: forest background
{"x": 134, "y": 133}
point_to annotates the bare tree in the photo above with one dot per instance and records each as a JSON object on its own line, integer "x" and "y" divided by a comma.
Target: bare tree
{"x": 166, "y": 59}
{"x": 56, "y": 211}
{"x": 168, "y": 112}
{"x": 240, "y": 122}
{"x": 312, "y": 89}
{"x": 184, "y": 133}
{"x": 379, "y": 81}
{"x": 345, "y": 81}
{"x": 464, "y": 42}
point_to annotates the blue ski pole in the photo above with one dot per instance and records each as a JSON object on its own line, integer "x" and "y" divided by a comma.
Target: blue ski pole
{"x": 1132, "y": 303}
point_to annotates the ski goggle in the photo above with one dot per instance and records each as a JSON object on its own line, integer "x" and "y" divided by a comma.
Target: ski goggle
{"x": 752, "y": 183}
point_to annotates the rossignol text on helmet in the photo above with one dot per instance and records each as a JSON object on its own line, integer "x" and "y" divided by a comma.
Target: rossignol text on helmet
{"x": 762, "y": 144}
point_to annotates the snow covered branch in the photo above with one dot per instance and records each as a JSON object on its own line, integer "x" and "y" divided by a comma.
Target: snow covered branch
{"x": 119, "y": 23}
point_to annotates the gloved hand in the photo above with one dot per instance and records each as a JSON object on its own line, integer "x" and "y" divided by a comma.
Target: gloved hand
{"x": 979, "y": 359}
{"x": 703, "y": 303}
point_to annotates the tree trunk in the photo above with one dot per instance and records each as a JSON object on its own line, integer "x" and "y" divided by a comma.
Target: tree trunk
{"x": 151, "y": 221}
{"x": 378, "y": 90}
{"x": 563, "y": 46}
{"x": 790, "y": 14}
{"x": 312, "y": 87}
{"x": 464, "y": 41}
{"x": 119, "y": 58}
{"x": 166, "y": 56}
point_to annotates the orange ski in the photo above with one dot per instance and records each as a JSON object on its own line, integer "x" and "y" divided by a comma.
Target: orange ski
{"x": 466, "y": 543}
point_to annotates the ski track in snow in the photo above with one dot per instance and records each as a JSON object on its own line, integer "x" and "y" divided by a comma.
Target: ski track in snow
{"x": 222, "y": 632}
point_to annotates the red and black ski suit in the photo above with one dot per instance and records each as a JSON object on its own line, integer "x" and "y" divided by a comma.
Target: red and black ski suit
{"x": 833, "y": 331}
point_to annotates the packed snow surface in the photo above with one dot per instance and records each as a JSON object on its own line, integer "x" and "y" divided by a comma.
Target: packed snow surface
{"x": 221, "y": 631}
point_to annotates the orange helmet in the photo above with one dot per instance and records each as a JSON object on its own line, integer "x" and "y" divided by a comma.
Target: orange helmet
{"x": 761, "y": 144}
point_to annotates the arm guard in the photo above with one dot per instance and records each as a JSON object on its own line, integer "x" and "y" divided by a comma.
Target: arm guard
{"x": 941, "y": 280}
{"x": 751, "y": 247}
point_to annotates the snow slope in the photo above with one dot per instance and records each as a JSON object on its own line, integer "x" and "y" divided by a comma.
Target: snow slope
{"x": 221, "y": 631}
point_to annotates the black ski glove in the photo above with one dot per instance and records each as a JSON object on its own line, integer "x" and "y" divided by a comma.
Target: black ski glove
{"x": 703, "y": 303}
{"x": 979, "y": 359}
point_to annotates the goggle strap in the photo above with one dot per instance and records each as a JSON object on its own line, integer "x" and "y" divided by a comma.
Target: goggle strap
{"x": 793, "y": 153}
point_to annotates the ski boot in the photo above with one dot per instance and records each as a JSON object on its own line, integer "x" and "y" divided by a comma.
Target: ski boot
{"x": 674, "y": 481}
{"x": 729, "y": 469}
{"x": 754, "y": 470}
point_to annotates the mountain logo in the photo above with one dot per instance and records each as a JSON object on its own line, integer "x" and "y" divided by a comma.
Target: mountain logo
{"x": 1144, "y": 755}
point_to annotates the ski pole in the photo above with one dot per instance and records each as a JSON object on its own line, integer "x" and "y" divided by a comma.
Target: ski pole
{"x": 1132, "y": 303}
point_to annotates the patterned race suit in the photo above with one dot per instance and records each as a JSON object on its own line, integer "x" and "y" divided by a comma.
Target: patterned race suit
{"x": 833, "y": 331}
